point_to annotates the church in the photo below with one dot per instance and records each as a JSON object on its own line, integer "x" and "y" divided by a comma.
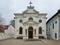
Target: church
{"x": 30, "y": 24}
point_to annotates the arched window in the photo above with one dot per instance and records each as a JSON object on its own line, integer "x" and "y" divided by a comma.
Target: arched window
{"x": 30, "y": 19}
{"x": 30, "y": 28}
{"x": 20, "y": 30}
{"x": 40, "y": 30}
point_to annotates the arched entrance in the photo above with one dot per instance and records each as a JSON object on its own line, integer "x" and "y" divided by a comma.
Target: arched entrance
{"x": 30, "y": 32}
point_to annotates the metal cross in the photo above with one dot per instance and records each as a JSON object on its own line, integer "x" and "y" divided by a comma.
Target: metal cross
{"x": 30, "y": 3}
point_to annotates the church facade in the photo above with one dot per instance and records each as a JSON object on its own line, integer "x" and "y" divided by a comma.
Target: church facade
{"x": 30, "y": 24}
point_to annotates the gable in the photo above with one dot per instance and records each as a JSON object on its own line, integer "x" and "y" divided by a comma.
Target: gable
{"x": 30, "y": 9}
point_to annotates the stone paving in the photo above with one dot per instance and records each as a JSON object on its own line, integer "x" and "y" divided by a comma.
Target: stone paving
{"x": 24, "y": 42}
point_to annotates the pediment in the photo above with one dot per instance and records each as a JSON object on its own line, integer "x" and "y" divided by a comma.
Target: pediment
{"x": 30, "y": 10}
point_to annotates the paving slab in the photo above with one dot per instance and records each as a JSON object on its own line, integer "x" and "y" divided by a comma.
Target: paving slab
{"x": 23, "y": 42}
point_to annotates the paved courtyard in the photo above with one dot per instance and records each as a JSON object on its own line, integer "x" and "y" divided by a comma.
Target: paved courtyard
{"x": 22, "y": 42}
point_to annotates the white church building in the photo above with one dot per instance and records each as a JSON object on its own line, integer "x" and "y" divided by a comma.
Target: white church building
{"x": 30, "y": 24}
{"x": 53, "y": 27}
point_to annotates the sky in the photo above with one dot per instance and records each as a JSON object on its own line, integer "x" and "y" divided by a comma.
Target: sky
{"x": 9, "y": 7}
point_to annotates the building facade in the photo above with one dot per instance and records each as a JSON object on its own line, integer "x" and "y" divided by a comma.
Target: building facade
{"x": 30, "y": 24}
{"x": 53, "y": 26}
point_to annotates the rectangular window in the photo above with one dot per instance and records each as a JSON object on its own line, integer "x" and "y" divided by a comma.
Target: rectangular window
{"x": 20, "y": 30}
{"x": 49, "y": 27}
{"x": 55, "y": 35}
{"x": 53, "y": 25}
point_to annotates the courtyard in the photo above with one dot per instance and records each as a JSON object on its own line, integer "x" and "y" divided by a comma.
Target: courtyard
{"x": 25, "y": 42}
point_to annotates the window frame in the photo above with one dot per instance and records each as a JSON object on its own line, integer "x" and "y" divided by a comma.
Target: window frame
{"x": 55, "y": 22}
{"x": 30, "y": 19}
{"x": 20, "y": 20}
{"x": 40, "y": 21}
{"x": 55, "y": 35}
{"x": 53, "y": 25}
{"x": 20, "y": 30}
{"x": 40, "y": 30}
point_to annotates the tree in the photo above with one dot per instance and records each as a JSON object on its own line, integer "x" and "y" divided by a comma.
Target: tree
{"x": 12, "y": 22}
{"x": 1, "y": 24}
{"x": 2, "y": 20}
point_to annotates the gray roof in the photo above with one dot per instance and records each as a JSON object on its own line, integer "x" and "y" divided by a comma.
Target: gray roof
{"x": 54, "y": 15}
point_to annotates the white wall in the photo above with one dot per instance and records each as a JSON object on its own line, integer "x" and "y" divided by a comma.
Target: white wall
{"x": 25, "y": 18}
{"x": 56, "y": 28}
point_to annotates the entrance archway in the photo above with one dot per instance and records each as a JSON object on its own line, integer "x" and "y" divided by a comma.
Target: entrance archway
{"x": 30, "y": 32}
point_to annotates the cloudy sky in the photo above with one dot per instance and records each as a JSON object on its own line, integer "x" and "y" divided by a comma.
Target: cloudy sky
{"x": 9, "y": 7}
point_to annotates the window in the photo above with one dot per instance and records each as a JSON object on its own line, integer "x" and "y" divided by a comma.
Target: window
{"x": 20, "y": 21}
{"x": 40, "y": 21}
{"x": 49, "y": 35}
{"x": 20, "y": 30}
{"x": 40, "y": 30}
{"x": 55, "y": 35}
{"x": 55, "y": 22}
{"x": 49, "y": 27}
{"x": 30, "y": 19}
{"x": 53, "y": 25}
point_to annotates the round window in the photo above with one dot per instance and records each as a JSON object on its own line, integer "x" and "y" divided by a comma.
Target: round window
{"x": 40, "y": 21}
{"x": 20, "y": 20}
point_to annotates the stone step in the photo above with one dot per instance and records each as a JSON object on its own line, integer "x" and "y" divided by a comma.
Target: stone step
{"x": 33, "y": 39}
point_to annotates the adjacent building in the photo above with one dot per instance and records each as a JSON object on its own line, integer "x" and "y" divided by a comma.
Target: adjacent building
{"x": 53, "y": 27}
{"x": 30, "y": 24}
